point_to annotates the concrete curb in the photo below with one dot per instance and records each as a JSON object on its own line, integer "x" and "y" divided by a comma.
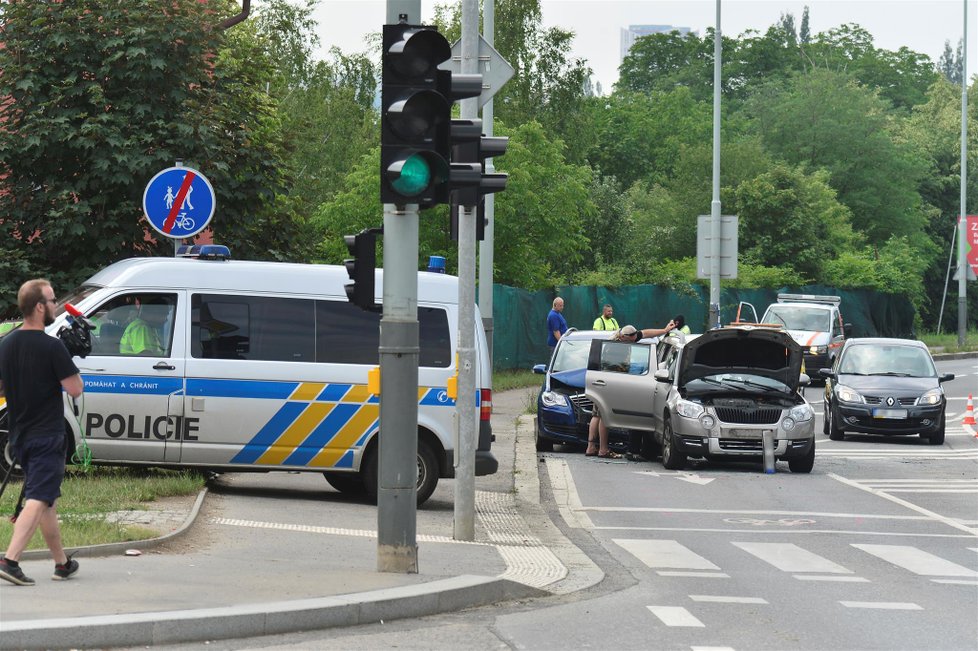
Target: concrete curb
{"x": 949, "y": 356}
{"x": 150, "y": 629}
{"x": 108, "y": 549}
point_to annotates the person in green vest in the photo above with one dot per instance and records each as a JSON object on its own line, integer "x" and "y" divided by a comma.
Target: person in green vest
{"x": 679, "y": 323}
{"x": 605, "y": 321}
{"x": 142, "y": 336}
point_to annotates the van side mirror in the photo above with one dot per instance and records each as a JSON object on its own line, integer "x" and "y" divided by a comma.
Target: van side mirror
{"x": 804, "y": 380}
{"x": 947, "y": 377}
{"x": 540, "y": 369}
{"x": 662, "y": 375}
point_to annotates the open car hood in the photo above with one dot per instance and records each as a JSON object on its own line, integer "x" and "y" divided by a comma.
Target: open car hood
{"x": 743, "y": 349}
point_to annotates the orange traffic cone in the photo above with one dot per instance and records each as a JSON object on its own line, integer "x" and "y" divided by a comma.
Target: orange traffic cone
{"x": 969, "y": 413}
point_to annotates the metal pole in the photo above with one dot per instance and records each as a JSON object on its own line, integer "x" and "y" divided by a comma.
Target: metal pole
{"x": 397, "y": 548}
{"x": 715, "y": 226}
{"x": 963, "y": 222}
{"x": 486, "y": 246}
{"x": 397, "y": 451}
{"x": 465, "y": 413}
{"x": 947, "y": 275}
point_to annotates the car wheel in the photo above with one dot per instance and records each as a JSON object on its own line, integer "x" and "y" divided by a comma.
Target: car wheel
{"x": 937, "y": 438}
{"x": 543, "y": 445}
{"x": 650, "y": 449}
{"x": 836, "y": 433}
{"x": 427, "y": 472}
{"x": 6, "y": 454}
{"x": 672, "y": 457}
{"x": 805, "y": 463}
{"x": 347, "y": 483}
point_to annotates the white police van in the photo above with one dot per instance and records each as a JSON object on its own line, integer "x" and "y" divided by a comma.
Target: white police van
{"x": 258, "y": 366}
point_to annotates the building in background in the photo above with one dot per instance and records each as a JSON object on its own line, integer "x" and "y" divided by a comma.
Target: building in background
{"x": 632, "y": 33}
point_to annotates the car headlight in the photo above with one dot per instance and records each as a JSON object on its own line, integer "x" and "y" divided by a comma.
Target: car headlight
{"x": 801, "y": 413}
{"x": 818, "y": 350}
{"x": 788, "y": 424}
{"x": 708, "y": 421}
{"x": 845, "y": 394}
{"x": 553, "y": 399}
{"x": 932, "y": 397}
{"x": 688, "y": 409}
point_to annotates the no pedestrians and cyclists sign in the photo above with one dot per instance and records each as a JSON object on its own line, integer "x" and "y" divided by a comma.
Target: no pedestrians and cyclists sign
{"x": 179, "y": 202}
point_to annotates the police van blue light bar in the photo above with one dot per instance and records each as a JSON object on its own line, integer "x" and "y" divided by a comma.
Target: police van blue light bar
{"x": 204, "y": 251}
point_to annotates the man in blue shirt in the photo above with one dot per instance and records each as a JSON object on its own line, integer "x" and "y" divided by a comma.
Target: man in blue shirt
{"x": 556, "y": 325}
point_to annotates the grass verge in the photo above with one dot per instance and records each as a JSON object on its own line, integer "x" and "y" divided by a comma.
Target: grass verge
{"x": 515, "y": 379}
{"x": 87, "y": 497}
{"x": 949, "y": 341}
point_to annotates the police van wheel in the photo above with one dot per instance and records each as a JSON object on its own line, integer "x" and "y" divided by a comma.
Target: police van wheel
{"x": 6, "y": 455}
{"x": 348, "y": 483}
{"x": 427, "y": 472}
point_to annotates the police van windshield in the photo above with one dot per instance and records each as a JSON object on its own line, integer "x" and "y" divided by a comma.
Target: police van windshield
{"x": 10, "y": 319}
{"x": 796, "y": 317}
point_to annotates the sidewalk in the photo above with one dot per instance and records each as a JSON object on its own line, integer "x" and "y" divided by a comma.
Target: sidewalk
{"x": 272, "y": 553}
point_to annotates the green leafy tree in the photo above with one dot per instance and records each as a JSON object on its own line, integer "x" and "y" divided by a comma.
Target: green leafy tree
{"x": 788, "y": 218}
{"x": 99, "y": 97}
{"x": 825, "y": 119}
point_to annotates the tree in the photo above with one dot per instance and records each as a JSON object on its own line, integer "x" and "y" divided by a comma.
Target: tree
{"x": 804, "y": 33}
{"x": 99, "y": 97}
{"x": 825, "y": 119}
{"x": 949, "y": 64}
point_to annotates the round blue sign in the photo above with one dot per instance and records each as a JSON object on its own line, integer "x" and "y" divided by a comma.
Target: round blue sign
{"x": 179, "y": 202}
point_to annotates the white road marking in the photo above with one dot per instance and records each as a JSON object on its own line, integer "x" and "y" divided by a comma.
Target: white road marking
{"x": 717, "y": 599}
{"x": 936, "y": 516}
{"x": 782, "y": 530}
{"x": 665, "y": 554}
{"x": 675, "y": 616}
{"x": 814, "y": 514}
{"x": 916, "y": 560}
{"x": 791, "y": 558}
{"x": 955, "y": 581}
{"x": 842, "y": 579}
{"x": 702, "y": 575}
{"x": 565, "y": 495}
{"x": 881, "y": 605}
{"x": 711, "y": 648}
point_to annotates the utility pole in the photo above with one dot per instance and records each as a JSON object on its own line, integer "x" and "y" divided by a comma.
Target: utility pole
{"x": 963, "y": 222}
{"x": 465, "y": 406}
{"x": 486, "y": 246}
{"x": 715, "y": 225}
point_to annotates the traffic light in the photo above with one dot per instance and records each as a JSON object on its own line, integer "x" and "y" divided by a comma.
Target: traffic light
{"x": 361, "y": 266}
{"x": 416, "y": 111}
{"x": 467, "y": 178}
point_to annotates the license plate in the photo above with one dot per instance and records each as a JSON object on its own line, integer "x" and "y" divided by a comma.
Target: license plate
{"x": 742, "y": 434}
{"x": 889, "y": 413}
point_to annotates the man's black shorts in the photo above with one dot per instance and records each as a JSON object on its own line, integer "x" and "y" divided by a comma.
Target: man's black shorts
{"x": 42, "y": 458}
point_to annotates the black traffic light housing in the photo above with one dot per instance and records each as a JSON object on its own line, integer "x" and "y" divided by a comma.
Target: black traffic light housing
{"x": 416, "y": 111}
{"x": 363, "y": 248}
{"x": 467, "y": 178}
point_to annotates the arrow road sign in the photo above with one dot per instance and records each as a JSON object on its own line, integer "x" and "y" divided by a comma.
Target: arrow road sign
{"x": 179, "y": 202}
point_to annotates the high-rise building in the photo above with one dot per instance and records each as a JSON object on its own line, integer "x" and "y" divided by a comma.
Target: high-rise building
{"x": 633, "y": 32}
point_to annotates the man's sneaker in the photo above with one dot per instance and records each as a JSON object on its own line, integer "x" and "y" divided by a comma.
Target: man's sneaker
{"x": 64, "y": 570}
{"x": 13, "y": 573}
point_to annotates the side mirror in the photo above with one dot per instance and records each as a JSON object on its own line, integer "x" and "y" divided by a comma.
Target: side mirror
{"x": 804, "y": 380}
{"x": 825, "y": 373}
{"x": 540, "y": 369}
{"x": 662, "y": 375}
{"x": 947, "y": 377}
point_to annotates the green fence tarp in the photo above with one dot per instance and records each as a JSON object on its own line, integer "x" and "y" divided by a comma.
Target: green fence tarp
{"x": 520, "y": 316}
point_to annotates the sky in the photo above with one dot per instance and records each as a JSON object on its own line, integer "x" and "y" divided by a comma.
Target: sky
{"x": 921, "y": 25}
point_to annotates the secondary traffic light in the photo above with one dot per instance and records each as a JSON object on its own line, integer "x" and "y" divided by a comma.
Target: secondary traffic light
{"x": 468, "y": 179}
{"x": 361, "y": 266}
{"x": 416, "y": 106}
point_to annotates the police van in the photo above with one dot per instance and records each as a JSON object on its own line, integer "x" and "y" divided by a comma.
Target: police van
{"x": 229, "y": 365}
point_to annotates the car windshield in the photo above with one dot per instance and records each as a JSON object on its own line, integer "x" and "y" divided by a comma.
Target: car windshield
{"x": 797, "y": 317}
{"x": 885, "y": 359}
{"x": 737, "y": 382}
{"x": 571, "y": 354}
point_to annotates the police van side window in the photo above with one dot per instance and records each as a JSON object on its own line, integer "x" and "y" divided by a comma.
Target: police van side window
{"x": 134, "y": 325}
{"x": 252, "y": 328}
{"x": 345, "y": 334}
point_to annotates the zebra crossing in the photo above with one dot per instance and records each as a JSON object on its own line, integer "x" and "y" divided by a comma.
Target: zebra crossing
{"x": 671, "y": 558}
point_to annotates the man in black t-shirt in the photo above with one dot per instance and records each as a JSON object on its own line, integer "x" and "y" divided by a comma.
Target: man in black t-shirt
{"x": 34, "y": 368}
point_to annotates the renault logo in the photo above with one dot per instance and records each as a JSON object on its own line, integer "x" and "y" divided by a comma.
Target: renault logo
{"x": 890, "y": 401}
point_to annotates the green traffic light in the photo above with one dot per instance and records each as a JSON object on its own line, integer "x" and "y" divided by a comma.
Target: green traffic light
{"x": 413, "y": 177}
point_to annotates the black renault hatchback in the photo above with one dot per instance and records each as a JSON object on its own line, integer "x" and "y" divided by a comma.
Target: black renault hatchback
{"x": 884, "y": 386}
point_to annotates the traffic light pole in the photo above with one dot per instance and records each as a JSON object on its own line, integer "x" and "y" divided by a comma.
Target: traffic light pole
{"x": 465, "y": 407}
{"x": 486, "y": 251}
{"x": 397, "y": 548}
